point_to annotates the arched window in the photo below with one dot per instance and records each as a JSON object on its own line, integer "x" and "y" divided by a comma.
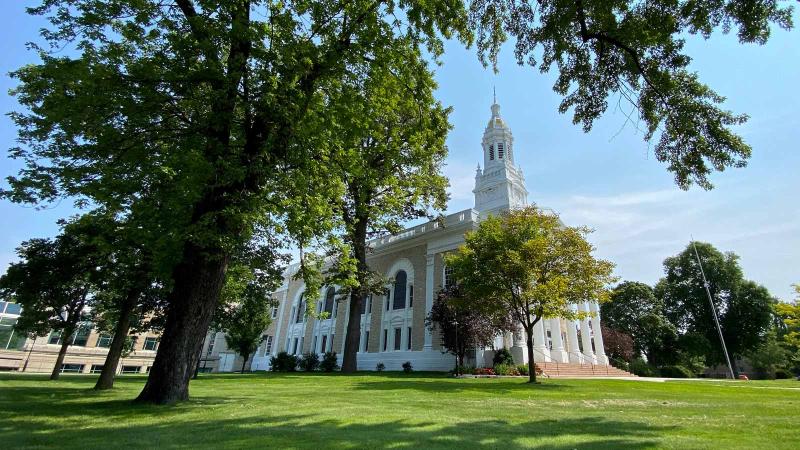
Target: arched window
{"x": 329, "y": 299}
{"x": 400, "y": 281}
{"x": 491, "y": 153}
{"x": 500, "y": 150}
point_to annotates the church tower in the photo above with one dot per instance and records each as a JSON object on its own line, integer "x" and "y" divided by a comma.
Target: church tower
{"x": 499, "y": 186}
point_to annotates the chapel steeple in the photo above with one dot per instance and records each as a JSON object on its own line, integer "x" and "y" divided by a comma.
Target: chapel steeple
{"x": 500, "y": 186}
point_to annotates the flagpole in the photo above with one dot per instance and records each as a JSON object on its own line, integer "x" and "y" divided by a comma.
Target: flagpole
{"x": 713, "y": 311}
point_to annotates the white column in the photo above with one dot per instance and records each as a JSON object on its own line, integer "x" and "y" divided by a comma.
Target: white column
{"x": 519, "y": 349}
{"x": 557, "y": 354}
{"x": 428, "y": 299}
{"x": 600, "y": 349}
{"x": 573, "y": 350}
{"x": 540, "y": 351}
{"x": 586, "y": 338}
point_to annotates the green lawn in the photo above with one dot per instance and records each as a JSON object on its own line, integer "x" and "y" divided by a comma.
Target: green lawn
{"x": 418, "y": 411}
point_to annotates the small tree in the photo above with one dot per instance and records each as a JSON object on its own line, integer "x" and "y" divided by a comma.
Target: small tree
{"x": 54, "y": 283}
{"x": 246, "y": 311}
{"x": 618, "y": 345}
{"x": 461, "y": 326}
{"x": 526, "y": 263}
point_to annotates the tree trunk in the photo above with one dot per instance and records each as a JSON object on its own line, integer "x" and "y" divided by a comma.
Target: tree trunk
{"x": 352, "y": 339}
{"x": 66, "y": 334}
{"x": 531, "y": 363}
{"x": 106, "y": 380}
{"x": 198, "y": 279}
{"x": 199, "y": 358}
{"x": 244, "y": 363}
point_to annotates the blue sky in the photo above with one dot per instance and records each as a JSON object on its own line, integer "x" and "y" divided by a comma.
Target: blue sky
{"x": 607, "y": 179}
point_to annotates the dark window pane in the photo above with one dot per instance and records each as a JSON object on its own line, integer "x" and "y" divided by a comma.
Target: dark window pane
{"x": 397, "y": 336}
{"x": 400, "y": 290}
{"x": 329, "y": 299}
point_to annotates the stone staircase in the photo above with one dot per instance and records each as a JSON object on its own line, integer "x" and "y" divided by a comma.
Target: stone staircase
{"x": 563, "y": 370}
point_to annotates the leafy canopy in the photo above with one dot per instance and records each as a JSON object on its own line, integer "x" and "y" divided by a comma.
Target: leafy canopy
{"x": 634, "y": 50}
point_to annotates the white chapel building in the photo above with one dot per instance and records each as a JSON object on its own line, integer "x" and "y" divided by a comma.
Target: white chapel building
{"x": 393, "y": 327}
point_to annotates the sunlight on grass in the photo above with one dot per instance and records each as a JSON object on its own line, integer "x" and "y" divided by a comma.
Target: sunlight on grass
{"x": 393, "y": 410}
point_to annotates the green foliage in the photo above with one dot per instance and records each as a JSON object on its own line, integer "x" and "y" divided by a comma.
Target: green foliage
{"x": 56, "y": 280}
{"x": 633, "y": 309}
{"x": 329, "y": 363}
{"x": 506, "y": 370}
{"x": 246, "y": 310}
{"x": 407, "y": 367}
{"x": 380, "y": 367}
{"x": 676, "y": 372}
{"x": 635, "y": 50}
{"x": 745, "y": 309}
{"x": 502, "y": 356}
{"x": 522, "y": 369}
{"x": 769, "y": 358}
{"x": 641, "y": 368}
{"x": 309, "y": 362}
{"x": 283, "y": 362}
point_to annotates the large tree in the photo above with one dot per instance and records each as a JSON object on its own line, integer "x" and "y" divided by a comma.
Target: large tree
{"x": 390, "y": 133}
{"x": 634, "y": 310}
{"x": 198, "y": 115}
{"x": 54, "y": 282}
{"x": 528, "y": 264}
{"x": 744, "y": 308}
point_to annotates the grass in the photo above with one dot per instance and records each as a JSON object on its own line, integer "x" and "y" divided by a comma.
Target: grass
{"x": 393, "y": 410}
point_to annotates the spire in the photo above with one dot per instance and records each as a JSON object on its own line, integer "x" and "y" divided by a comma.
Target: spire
{"x": 494, "y": 95}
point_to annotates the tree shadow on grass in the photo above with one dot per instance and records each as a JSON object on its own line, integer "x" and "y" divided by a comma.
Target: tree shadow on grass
{"x": 309, "y": 431}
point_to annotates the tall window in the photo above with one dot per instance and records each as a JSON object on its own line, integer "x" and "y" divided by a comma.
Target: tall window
{"x": 366, "y": 304}
{"x": 330, "y": 295}
{"x": 408, "y": 347}
{"x": 410, "y": 295}
{"x": 385, "y": 338}
{"x": 366, "y": 341}
{"x": 449, "y": 280}
{"x": 324, "y": 343}
{"x": 267, "y": 345}
{"x": 500, "y": 150}
{"x": 301, "y": 311}
{"x": 491, "y": 153}
{"x": 400, "y": 290}
{"x": 274, "y": 311}
{"x": 398, "y": 333}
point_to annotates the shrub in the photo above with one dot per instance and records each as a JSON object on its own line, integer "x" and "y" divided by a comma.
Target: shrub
{"x": 407, "y": 367}
{"x": 461, "y": 370}
{"x": 483, "y": 371}
{"x": 283, "y": 362}
{"x": 329, "y": 363}
{"x": 782, "y": 374}
{"x": 676, "y": 372}
{"x": 620, "y": 364}
{"x": 506, "y": 369}
{"x": 523, "y": 369}
{"x": 503, "y": 356}
{"x": 380, "y": 367}
{"x": 309, "y": 362}
{"x": 640, "y": 367}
